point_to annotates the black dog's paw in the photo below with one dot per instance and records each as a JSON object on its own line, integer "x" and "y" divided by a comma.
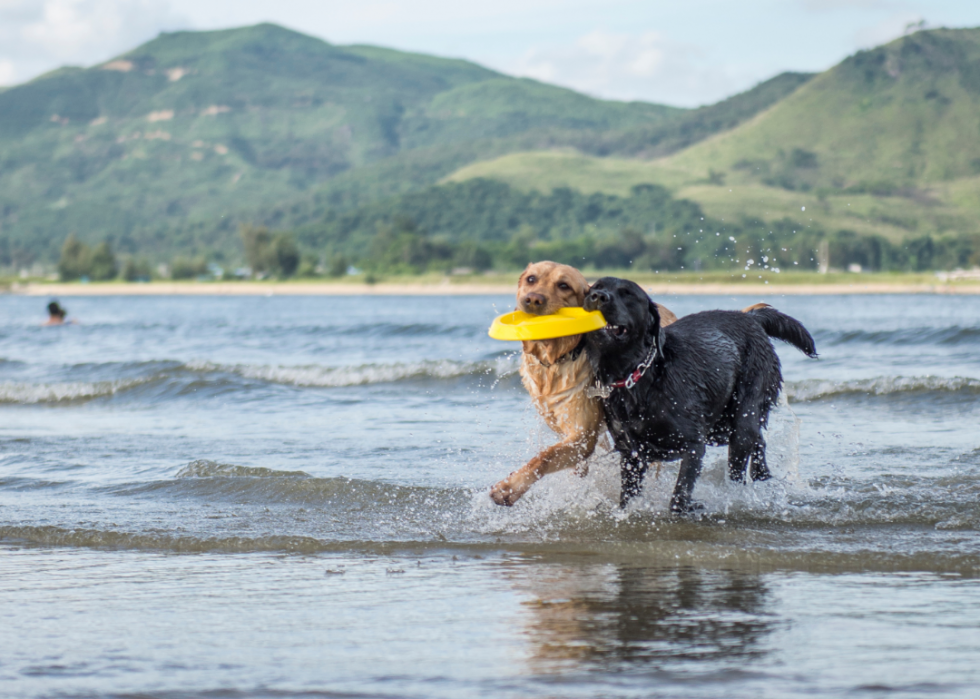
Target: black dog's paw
{"x": 685, "y": 507}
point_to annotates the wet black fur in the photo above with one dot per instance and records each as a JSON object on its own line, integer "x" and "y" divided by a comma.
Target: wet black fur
{"x": 715, "y": 378}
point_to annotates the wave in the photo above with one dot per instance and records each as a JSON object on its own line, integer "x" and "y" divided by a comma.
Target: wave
{"x": 572, "y": 508}
{"x": 205, "y": 468}
{"x": 406, "y": 329}
{"x": 204, "y": 374}
{"x": 101, "y": 538}
{"x": 15, "y": 483}
{"x": 210, "y": 480}
{"x": 952, "y": 335}
{"x": 67, "y": 392}
{"x": 827, "y": 524}
{"x": 338, "y": 377}
{"x": 673, "y": 548}
{"x": 819, "y": 389}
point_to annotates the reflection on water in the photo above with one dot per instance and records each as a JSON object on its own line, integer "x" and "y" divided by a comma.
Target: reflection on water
{"x": 621, "y": 616}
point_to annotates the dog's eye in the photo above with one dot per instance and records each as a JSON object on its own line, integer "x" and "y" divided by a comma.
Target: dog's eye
{"x": 563, "y": 286}
{"x": 531, "y": 279}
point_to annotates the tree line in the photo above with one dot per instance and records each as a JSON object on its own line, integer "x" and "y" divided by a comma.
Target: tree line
{"x": 483, "y": 224}
{"x": 480, "y": 225}
{"x": 78, "y": 261}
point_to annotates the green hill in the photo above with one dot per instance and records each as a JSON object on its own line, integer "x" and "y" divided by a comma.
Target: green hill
{"x": 655, "y": 140}
{"x": 887, "y": 142}
{"x": 169, "y": 146}
{"x": 401, "y": 173}
{"x": 901, "y": 116}
{"x": 167, "y": 149}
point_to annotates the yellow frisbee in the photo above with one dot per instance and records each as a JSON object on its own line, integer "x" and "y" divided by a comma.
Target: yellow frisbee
{"x": 526, "y": 326}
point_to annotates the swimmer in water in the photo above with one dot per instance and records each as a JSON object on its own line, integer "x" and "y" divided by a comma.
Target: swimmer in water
{"x": 56, "y": 314}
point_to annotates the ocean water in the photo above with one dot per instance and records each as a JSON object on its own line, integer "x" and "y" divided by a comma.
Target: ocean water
{"x": 271, "y": 497}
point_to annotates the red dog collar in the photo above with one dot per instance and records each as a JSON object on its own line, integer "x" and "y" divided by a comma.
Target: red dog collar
{"x": 631, "y": 380}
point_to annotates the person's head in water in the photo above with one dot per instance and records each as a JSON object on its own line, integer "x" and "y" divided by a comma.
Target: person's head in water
{"x": 56, "y": 314}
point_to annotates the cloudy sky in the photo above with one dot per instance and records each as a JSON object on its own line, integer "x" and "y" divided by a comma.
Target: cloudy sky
{"x": 683, "y": 53}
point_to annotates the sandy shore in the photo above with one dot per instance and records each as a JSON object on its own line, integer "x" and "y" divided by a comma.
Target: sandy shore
{"x": 464, "y": 289}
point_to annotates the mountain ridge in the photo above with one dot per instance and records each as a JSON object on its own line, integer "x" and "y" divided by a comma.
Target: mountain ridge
{"x": 168, "y": 148}
{"x": 884, "y": 143}
{"x": 172, "y": 144}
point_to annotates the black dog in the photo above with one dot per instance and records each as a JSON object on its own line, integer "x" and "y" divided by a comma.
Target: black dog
{"x": 709, "y": 378}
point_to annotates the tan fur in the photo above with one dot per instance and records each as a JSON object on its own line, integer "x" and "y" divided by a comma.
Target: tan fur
{"x": 555, "y": 381}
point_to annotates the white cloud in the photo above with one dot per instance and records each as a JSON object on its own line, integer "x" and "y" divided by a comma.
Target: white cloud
{"x": 38, "y": 35}
{"x": 645, "y": 66}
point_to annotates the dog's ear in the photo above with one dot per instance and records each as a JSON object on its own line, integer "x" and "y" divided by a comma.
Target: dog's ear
{"x": 654, "y": 312}
{"x": 656, "y": 330}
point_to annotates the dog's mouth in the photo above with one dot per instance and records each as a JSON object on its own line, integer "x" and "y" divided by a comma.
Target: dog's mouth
{"x": 536, "y": 310}
{"x": 544, "y": 307}
{"x": 619, "y": 332}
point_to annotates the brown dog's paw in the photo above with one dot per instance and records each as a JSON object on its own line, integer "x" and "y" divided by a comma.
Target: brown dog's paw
{"x": 505, "y": 494}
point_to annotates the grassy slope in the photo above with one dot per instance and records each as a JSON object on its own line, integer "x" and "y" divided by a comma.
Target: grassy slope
{"x": 905, "y": 113}
{"x": 546, "y": 170}
{"x": 950, "y": 206}
{"x": 200, "y": 130}
{"x": 900, "y": 119}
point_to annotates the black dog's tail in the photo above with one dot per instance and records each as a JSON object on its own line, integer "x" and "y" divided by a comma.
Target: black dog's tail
{"x": 782, "y": 327}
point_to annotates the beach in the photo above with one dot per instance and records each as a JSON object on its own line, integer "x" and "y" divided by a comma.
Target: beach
{"x": 450, "y": 287}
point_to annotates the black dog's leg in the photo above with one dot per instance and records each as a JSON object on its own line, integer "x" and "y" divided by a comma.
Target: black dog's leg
{"x": 747, "y": 442}
{"x": 739, "y": 450}
{"x": 631, "y": 475}
{"x": 681, "y": 501}
{"x": 760, "y": 469}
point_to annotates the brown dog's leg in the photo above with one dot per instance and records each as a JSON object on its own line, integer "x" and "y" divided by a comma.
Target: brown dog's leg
{"x": 566, "y": 454}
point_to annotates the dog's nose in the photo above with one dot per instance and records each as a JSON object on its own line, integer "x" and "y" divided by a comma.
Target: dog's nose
{"x": 596, "y": 299}
{"x": 533, "y": 300}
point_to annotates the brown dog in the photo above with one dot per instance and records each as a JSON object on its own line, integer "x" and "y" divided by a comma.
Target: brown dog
{"x": 557, "y": 373}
